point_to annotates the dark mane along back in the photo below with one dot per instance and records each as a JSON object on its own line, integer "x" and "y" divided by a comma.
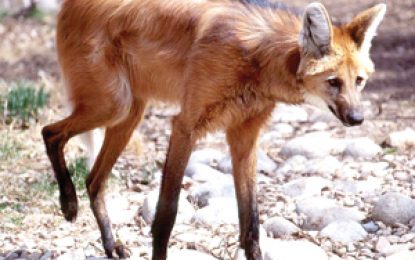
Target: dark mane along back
{"x": 273, "y": 5}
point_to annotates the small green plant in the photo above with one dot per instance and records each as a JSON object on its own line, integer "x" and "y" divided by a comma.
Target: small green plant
{"x": 23, "y": 102}
{"x": 36, "y": 13}
{"x": 17, "y": 220}
{"x": 9, "y": 148}
{"x": 3, "y": 206}
{"x": 390, "y": 150}
{"x": 3, "y": 14}
{"x": 44, "y": 187}
{"x": 78, "y": 170}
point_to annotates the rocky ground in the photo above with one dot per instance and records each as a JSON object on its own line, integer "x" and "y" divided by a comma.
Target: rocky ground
{"x": 324, "y": 191}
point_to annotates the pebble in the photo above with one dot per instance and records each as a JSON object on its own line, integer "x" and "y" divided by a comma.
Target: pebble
{"x": 320, "y": 116}
{"x": 305, "y": 187}
{"x": 264, "y": 163}
{"x": 288, "y": 113}
{"x": 319, "y": 126}
{"x": 371, "y": 227}
{"x": 48, "y": 6}
{"x": 292, "y": 250}
{"x": 206, "y": 156}
{"x": 375, "y": 168}
{"x": 362, "y": 148}
{"x": 402, "y": 255}
{"x": 279, "y": 227}
{"x": 64, "y": 242}
{"x": 187, "y": 254}
{"x": 283, "y": 128}
{"x": 293, "y": 165}
{"x": 201, "y": 194}
{"x": 402, "y": 139}
{"x": 77, "y": 254}
{"x": 367, "y": 187}
{"x": 344, "y": 231}
{"x": 327, "y": 166}
{"x": 219, "y": 211}
{"x": 119, "y": 210}
{"x": 185, "y": 211}
{"x": 202, "y": 172}
{"x": 394, "y": 208}
{"x": 312, "y": 145}
{"x": 319, "y": 212}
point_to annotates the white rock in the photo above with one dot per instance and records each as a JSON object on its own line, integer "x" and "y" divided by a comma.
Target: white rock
{"x": 287, "y": 113}
{"x": 293, "y": 165}
{"x": 279, "y": 227}
{"x": 319, "y": 126}
{"x": 305, "y": 187}
{"x": 283, "y": 128}
{"x": 292, "y": 250}
{"x": 64, "y": 242}
{"x": 270, "y": 137}
{"x": 375, "y": 168}
{"x": 187, "y": 254}
{"x": 403, "y": 255}
{"x": 313, "y": 145}
{"x": 371, "y": 227}
{"x": 367, "y": 187}
{"x": 119, "y": 210}
{"x": 223, "y": 187}
{"x": 48, "y": 6}
{"x": 202, "y": 172}
{"x": 219, "y": 211}
{"x": 206, "y": 156}
{"x": 77, "y": 254}
{"x": 328, "y": 166}
{"x": 402, "y": 139}
{"x": 319, "y": 212}
{"x": 362, "y": 147}
{"x": 239, "y": 254}
{"x": 344, "y": 231}
{"x": 393, "y": 208}
{"x": 264, "y": 163}
{"x": 184, "y": 214}
{"x": 316, "y": 115}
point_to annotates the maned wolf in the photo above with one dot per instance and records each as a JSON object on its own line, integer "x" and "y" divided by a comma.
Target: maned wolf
{"x": 226, "y": 63}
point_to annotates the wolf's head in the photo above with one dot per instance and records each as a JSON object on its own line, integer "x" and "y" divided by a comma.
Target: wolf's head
{"x": 335, "y": 63}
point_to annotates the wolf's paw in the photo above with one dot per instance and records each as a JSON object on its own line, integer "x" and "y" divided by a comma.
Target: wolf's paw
{"x": 69, "y": 205}
{"x": 119, "y": 249}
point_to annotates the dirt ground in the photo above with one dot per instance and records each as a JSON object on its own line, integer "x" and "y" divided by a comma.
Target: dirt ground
{"x": 29, "y": 212}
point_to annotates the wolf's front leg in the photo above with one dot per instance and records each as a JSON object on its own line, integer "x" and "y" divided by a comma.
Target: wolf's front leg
{"x": 242, "y": 141}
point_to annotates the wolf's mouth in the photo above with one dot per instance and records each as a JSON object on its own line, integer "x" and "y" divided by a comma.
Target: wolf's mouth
{"x": 344, "y": 122}
{"x": 332, "y": 110}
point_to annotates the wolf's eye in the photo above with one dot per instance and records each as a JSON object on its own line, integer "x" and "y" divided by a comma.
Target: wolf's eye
{"x": 359, "y": 80}
{"x": 335, "y": 82}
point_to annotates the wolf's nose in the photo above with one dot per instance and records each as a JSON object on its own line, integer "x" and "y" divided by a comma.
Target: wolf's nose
{"x": 355, "y": 117}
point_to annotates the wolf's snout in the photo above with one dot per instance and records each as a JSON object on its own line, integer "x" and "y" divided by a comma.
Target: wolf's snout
{"x": 355, "y": 117}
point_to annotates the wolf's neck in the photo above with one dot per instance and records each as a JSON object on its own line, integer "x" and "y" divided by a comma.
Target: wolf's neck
{"x": 280, "y": 60}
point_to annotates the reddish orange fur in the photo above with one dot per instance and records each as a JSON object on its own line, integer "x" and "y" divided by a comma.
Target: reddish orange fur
{"x": 225, "y": 63}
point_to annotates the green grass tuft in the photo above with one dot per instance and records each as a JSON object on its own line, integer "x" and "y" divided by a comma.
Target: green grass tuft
{"x": 17, "y": 220}
{"x": 78, "y": 170}
{"x": 3, "y": 14}
{"x": 390, "y": 150}
{"x": 44, "y": 187}
{"x": 37, "y": 14}
{"x": 23, "y": 102}
{"x": 9, "y": 148}
{"x": 3, "y": 206}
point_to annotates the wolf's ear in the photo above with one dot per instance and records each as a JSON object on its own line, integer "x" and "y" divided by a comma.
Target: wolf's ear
{"x": 363, "y": 27}
{"x": 317, "y": 34}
